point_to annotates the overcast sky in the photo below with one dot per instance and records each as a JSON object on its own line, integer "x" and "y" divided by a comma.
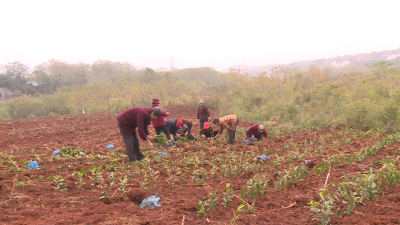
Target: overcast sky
{"x": 196, "y": 33}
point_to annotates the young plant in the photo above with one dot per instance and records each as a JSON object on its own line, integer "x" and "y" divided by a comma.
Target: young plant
{"x": 324, "y": 209}
{"x": 350, "y": 198}
{"x": 171, "y": 181}
{"x": 124, "y": 183}
{"x": 212, "y": 200}
{"x": 236, "y": 214}
{"x": 80, "y": 173}
{"x": 202, "y": 211}
{"x": 97, "y": 175}
{"x": 59, "y": 183}
{"x": 228, "y": 195}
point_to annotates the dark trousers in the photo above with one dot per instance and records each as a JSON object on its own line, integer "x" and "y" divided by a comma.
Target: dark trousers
{"x": 208, "y": 135}
{"x": 132, "y": 146}
{"x": 258, "y": 137}
{"x": 202, "y": 124}
{"x": 190, "y": 127}
{"x": 232, "y": 133}
{"x": 164, "y": 129}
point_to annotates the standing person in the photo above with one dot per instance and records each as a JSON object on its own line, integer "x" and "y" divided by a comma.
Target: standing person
{"x": 256, "y": 131}
{"x": 176, "y": 124}
{"x": 159, "y": 124}
{"x": 230, "y": 123}
{"x": 203, "y": 113}
{"x": 138, "y": 118}
{"x": 207, "y": 131}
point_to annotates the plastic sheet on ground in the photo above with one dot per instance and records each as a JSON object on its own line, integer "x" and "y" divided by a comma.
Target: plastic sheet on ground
{"x": 263, "y": 157}
{"x": 57, "y": 152}
{"x": 33, "y": 165}
{"x": 110, "y": 146}
{"x": 151, "y": 202}
{"x": 162, "y": 154}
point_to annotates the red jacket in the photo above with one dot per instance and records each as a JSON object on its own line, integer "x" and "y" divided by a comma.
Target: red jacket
{"x": 160, "y": 121}
{"x": 254, "y": 131}
{"x": 135, "y": 117}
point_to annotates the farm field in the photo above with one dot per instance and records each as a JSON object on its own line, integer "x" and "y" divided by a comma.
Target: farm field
{"x": 203, "y": 182}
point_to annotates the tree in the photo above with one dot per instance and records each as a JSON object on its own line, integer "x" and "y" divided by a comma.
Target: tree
{"x": 17, "y": 69}
{"x": 107, "y": 69}
{"x": 55, "y": 73}
{"x": 380, "y": 68}
{"x": 16, "y": 78}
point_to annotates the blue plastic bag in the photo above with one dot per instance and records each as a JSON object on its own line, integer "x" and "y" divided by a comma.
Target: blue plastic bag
{"x": 162, "y": 154}
{"x": 263, "y": 157}
{"x": 151, "y": 202}
{"x": 252, "y": 138}
{"x": 57, "y": 152}
{"x": 245, "y": 141}
{"x": 81, "y": 154}
{"x": 33, "y": 165}
{"x": 110, "y": 146}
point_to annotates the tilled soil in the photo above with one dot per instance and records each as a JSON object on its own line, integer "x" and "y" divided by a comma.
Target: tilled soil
{"x": 40, "y": 203}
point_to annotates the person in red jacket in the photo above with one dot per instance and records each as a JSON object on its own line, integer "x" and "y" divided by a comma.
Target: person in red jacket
{"x": 256, "y": 131}
{"x": 159, "y": 124}
{"x": 138, "y": 118}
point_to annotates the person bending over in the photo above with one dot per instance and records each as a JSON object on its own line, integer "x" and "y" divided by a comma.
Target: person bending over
{"x": 138, "y": 118}
{"x": 256, "y": 131}
{"x": 230, "y": 123}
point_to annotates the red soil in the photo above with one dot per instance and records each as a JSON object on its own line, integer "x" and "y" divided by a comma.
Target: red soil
{"x": 40, "y": 203}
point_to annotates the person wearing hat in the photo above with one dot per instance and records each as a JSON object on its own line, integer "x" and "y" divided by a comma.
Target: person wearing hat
{"x": 176, "y": 124}
{"x": 256, "y": 131}
{"x": 208, "y": 131}
{"x": 185, "y": 131}
{"x": 203, "y": 114}
{"x": 159, "y": 124}
{"x": 230, "y": 123}
{"x": 138, "y": 118}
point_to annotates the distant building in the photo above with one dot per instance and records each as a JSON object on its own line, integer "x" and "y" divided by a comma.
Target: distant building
{"x": 337, "y": 64}
{"x": 5, "y": 93}
{"x": 393, "y": 56}
{"x": 362, "y": 58}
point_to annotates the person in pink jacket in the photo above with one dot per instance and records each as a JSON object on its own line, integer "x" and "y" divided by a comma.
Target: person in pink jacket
{"x": 257, "y": 131}
{"x": 159, "y": 124}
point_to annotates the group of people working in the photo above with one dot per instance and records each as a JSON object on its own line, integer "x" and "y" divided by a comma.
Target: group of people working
{"x": 140, "y": 118}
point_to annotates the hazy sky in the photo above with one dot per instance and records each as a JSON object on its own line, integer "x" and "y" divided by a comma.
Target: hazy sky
{"x": 196, "y": 33}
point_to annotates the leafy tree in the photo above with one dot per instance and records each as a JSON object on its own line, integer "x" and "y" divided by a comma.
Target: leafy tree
{"x": 380, "y": 68}
{"x": 16, "y": 78}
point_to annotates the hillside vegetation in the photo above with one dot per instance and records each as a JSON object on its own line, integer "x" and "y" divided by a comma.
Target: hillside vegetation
{"x": 308, "y": 98}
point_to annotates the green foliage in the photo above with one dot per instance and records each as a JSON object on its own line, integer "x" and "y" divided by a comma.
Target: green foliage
{"x": 228, "y": 195}
{"x": 310, "y": 100}
{"x": 160, "y": 139}
{"x": 68, "y": 151}
{"x": 60, "y": 184}
{"x": 323, "y": 210}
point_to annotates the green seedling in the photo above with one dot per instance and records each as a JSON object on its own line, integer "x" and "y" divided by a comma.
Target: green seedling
{"x": 228, "y": 195}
